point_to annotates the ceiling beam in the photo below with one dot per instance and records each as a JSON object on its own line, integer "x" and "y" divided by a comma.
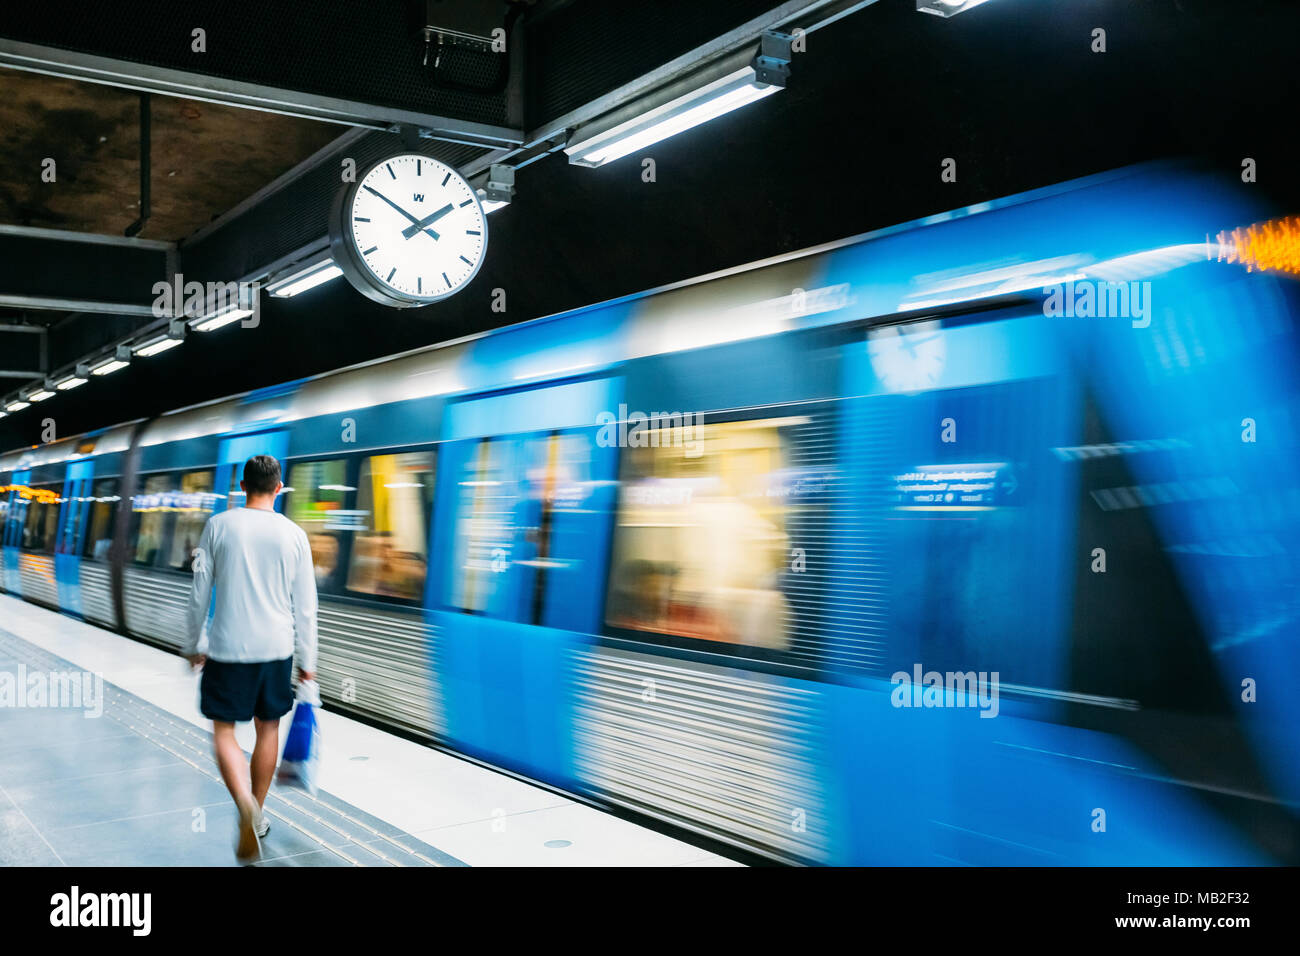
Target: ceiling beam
{"x": 145, "y": 78}
{"x": 73, "y": 305}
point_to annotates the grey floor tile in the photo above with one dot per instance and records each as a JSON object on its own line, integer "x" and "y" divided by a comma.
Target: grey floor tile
{"x": 20, "y": 844}
{"x": 76, "y": 758}
{"x": 134, "y": 793}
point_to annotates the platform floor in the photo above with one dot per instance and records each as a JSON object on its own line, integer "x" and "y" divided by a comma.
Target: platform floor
{"x": 137, "y": 786}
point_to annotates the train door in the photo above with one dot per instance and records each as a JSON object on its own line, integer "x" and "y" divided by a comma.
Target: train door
{"x": 67, "y": 549}
{"x": 12, "y": 533}
{"x": 237, "y": 449}
{"x": 521, "y": 525}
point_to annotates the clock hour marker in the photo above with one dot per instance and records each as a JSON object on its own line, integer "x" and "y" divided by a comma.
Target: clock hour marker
{"x": 444, "y": 179}
{"x": 360, "y": 219}
{"x": 466, "y": 202}
{"x": 466, "y": 261}
{"x": 417, "y": 168}
{"x": 389, "y": 167}
{"x": 472, "y": 232}
{"x": 446, "y": 280}
{"x": 419, "y": 285}
{"x": 391, "y": 274}
{"x": 370, "y": 250}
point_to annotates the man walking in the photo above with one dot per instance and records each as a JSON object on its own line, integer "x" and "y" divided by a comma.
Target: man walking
{"x": 260, "y": 563}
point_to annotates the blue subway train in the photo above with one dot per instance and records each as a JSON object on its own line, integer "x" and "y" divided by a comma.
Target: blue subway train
{"x": 972, "y": 540}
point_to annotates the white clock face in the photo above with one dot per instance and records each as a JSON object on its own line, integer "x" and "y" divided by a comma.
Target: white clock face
{"x": 417, "y": 227}
{"x": 907, "y": 358}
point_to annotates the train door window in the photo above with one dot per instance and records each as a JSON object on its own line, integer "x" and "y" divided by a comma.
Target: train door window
{"x": 317, "y": 494}
{"x": 153, "y": 515}
{"x": 192, "y": 506}
{"x": 76, "y": 514}
{"x": 554, "y": 531}
{"x": 16, "y": 518}
{"x": 32, "y": 519}
{"x": 42, "y": 525}
{"x": 526, "y": 532}
{"x": 20, "y": 505}
{"x": 99, "y": 529}
{"x": 234, "y": 494}
{"x": 702, "y": 539}
{"x": 484, "y": 523}
{"x": 390, "y": 550}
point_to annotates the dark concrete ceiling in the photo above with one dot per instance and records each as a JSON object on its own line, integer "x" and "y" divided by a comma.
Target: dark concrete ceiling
{"x": 206, "y": 158}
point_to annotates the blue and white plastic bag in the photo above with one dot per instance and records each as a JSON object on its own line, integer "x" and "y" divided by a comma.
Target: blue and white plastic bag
{"x": 301, "y": 759}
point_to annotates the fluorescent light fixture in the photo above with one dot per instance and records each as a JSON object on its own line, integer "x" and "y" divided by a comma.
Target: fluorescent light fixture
{"x": 38, "y": 393}
{"x": 300, "y": 280}
{"x": 120, "y": 359}
{"x": 173, "y": 337}
{"x": 157, "y": 346}
{"x": 491, "y": 205}
{"x": 17, "y": 405}
{"x": 715, "y": 99}
{"x": 71, "y": 381}
{"x": 231, "y": 313}
{"x": 946, "y": 8}
{"x": 221, "y": 312}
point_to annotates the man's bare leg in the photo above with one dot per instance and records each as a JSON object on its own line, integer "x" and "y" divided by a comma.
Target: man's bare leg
{"x": 230, "y": 761}
{"x": 265, "y": 753}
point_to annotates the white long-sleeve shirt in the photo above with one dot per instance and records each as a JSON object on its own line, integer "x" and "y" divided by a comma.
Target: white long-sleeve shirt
{"x": 260, "y": 564}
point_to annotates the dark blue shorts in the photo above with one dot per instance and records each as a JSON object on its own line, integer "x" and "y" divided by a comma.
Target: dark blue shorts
{"x": 232, "y": 692}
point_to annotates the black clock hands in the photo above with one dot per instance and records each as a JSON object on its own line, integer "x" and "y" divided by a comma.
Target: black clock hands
{"x": 428, "y": 220}
{"x": 375, "y": 192}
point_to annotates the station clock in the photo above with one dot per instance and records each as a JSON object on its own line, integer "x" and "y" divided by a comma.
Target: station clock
{"x": 409, "y": 231}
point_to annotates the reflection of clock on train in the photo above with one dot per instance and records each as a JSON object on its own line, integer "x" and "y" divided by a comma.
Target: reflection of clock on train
{"x": 907, "y": 358}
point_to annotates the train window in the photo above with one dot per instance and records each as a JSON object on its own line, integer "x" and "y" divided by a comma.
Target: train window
{"x": 317, "y": 493}
{"x": 41, "y": 528}
{"x": 99, "y": 531}
{"x": 390, "y": 551}
{"x": 192, "y": 506}
{"x": 703, "y": 534}
{"x": 152, "y": 510}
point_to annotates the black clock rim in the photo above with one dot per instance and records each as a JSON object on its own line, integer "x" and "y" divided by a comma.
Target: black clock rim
{"x": 343, "y": 249}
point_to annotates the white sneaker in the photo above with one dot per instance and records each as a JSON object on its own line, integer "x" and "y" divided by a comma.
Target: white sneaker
{"x": 263, "y": 826}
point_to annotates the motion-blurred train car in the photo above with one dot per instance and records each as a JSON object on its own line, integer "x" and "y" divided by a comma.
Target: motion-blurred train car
{"x": 971, "y": 540}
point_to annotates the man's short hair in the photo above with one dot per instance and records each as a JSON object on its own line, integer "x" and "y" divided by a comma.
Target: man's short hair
{"x": 261, "y": 475}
